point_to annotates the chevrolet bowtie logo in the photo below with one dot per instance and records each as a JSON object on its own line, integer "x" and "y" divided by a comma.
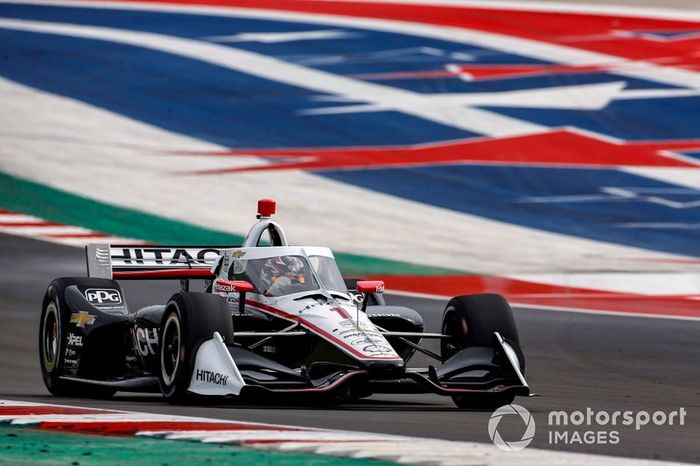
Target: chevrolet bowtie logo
{"x": 81, "y": 319}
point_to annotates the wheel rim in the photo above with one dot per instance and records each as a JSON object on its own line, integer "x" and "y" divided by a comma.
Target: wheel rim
{"x": 170, "y": 349}
{"x": 51, "y": 337}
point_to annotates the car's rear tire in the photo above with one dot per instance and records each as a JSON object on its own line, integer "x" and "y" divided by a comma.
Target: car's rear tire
{"x": 471, "y": 320}
{"x": 55, "y": 317}
{"x": 189, "y": 320}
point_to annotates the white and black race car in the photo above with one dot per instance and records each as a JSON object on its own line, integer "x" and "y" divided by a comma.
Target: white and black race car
{"x": 273, "y": 321}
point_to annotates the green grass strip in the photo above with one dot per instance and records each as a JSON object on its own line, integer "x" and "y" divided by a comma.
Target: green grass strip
{"x": 25, "y": 446}
{"x": 63, "y": 207}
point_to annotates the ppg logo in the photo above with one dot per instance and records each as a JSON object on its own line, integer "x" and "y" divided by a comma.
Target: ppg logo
{"x": 98, "y": 296}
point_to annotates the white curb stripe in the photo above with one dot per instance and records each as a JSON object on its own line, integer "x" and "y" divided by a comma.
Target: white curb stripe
{"x": 13, "y": 218}
{"x": 283, "y": 436}
{"x": 38, "y": 228}
{"x": 46, "y": 230}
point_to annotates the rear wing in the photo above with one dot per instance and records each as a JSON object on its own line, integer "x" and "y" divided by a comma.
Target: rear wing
{"x": 150, "y": 262}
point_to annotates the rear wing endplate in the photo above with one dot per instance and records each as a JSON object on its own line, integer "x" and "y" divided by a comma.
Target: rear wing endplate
{"x": 151, "y": 262}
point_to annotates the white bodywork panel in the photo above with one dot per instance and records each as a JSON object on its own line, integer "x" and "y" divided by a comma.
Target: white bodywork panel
{"x": 338, "y": 321}
{"x": 215, "y": 372}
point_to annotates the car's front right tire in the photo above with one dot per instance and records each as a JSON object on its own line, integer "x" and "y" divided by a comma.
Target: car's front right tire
{"x": 471, "y": 320}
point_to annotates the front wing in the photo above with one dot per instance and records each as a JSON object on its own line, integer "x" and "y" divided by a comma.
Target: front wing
{"x": 476, "y": 370}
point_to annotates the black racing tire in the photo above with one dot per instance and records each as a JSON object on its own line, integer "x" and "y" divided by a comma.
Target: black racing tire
{"x": 471, "y": 320}
{"x": 55, "y": 317}
{"x": 189, "y": 320}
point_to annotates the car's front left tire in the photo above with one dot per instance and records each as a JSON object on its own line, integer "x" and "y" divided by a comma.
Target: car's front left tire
{"x": 189, "y": 320}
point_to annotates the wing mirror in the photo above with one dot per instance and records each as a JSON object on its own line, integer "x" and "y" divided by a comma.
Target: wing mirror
{"x": 237, "y": 286}
{"x": 367, "y": 287}
{"x": 375, "y": 286}
{"x": 242, "y": 286}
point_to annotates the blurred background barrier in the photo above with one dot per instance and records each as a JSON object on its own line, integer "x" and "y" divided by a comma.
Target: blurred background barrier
{"x": 456, "y": 138}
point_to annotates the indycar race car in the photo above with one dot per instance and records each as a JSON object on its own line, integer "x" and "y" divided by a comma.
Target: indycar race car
{"x": 273, "y": 320}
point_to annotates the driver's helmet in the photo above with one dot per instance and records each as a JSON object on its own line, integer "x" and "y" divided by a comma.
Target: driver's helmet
{"x": 282, "y": 266}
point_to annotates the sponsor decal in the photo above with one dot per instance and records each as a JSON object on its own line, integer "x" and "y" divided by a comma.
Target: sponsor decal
{"x": 376, "y": 349}
{"x": 374, "y": 342}
{"x": 370, "y": 337}
{"x": 146, "y": 340}
{"x": 219, "y": 288}
{"x": 166, "y": 256}
{"x": 70, "y": 352}
{"x": 355, "y": 331}
{"x": 384, "y": 315}
{"x": 211, "y": 377}
{"x": 75, "y": 340}
{"x": 364, "y": 340}
{"x": 238, "y": 254}
{"x": 70, "y": 361}
{"x": 226, "y": 262}
{"x": 99, "y": 296}
{"x": 347, "y": 336}
{"x": 82, "y": 318}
